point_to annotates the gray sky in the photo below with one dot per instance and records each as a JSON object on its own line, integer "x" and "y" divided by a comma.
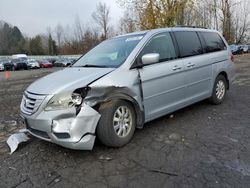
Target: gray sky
{"x": 34, "y": 16}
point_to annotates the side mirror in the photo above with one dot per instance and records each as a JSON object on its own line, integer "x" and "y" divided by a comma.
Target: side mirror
{"x": 150, "y": 58}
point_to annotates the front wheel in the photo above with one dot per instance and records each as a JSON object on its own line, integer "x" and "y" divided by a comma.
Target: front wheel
{"x": 117, "y": 123}
{"x": 219, "y": 90}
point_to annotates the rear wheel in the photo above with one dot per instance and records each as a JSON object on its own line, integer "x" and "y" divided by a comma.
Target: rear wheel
{"x": 219, "y": 90}
{"x": 117, "y": 123}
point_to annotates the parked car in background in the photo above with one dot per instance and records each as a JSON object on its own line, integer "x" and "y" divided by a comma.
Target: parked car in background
{"x": 246, "y": 49}
{"x": 45, "y": 64}
{"x": 63, "y": 63}
{"x": 33, "y": 64}
{"x": 8, "y": 65}
{"x": 2, "y": 66}
{"x": 73, "y": 60}
{"x": 241, "y": 49}
{"x": 20, "y": 64}
{"x": 19, "y": 56}
{"x": 235, "y": 49}
{"x": 51, "y": 60}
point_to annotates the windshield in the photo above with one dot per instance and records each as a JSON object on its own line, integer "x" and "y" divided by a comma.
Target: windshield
{"x": 110, "y": 53}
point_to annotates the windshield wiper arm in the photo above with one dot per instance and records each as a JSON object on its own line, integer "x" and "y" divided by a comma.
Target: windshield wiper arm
{"x": 90, "y": 65}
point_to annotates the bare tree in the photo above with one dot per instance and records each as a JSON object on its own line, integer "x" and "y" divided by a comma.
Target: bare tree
{"x": 50, "y": 45}
{"x": 242, "y": 21}
{"x": 59, "y": 34}
{"x": 127, "y": 24}
{"x": 215, "y": 7}
{"x": 78, "y": 32}
{"x": 102, "y": 18}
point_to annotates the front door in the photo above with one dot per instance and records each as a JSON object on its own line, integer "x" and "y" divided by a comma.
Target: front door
{"x": 163, "y": 82}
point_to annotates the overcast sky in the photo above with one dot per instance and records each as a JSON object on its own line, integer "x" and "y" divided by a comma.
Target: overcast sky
{"x": 34, "y": 16}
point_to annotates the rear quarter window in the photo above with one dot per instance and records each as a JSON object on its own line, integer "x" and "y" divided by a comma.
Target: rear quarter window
{"x": 189, "y": 43}
{"x": 213, "y": 42}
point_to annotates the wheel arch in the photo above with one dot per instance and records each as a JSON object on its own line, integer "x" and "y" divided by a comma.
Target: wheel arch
{"x": 125, "y": 97}
{"x": 223, "y": 73}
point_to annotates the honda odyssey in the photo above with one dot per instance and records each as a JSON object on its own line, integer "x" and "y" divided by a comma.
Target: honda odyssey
{"x": 125, "y": 82}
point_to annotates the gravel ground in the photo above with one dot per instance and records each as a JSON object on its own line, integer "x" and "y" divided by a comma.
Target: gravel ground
{"x": 200, "y": 146}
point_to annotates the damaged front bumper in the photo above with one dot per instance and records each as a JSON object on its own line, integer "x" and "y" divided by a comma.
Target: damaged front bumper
{"x": 65, "y": 127}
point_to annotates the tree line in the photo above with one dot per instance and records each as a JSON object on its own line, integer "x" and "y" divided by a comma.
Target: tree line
{"x": 230, "y": 17}
{"x": 12, "y": 41}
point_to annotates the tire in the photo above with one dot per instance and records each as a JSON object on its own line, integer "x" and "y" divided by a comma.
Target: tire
{"x": 110, "y": 121}
{"x": 219, "y": 90}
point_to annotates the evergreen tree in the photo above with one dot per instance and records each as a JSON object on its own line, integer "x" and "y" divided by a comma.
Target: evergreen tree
{"x": 36, "y": 47}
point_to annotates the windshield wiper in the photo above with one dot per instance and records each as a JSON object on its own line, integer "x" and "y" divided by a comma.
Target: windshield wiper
{"x": 89, "y": 65}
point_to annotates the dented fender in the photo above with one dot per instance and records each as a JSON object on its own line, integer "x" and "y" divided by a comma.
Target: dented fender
{"x": 99, "y": 95}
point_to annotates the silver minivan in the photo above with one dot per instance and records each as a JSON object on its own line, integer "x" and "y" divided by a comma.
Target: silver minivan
{"x": 125, "y": 82}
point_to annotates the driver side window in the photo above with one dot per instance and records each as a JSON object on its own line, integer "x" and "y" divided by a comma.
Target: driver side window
{"x": 161, "y": 44}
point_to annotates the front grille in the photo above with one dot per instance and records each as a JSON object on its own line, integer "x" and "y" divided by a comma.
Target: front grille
{"x": 31, "y": 102}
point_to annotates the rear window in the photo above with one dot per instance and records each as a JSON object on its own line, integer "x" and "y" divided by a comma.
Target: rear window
{"x": 189, "y": 43}
{"x": 213, "y": 42}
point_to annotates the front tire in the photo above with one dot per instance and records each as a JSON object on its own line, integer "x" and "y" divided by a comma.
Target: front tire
{"x": 117, "y": 124}
{"x": 219, "y": 90}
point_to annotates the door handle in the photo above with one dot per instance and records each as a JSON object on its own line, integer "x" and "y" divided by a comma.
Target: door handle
{"x": 190, "y": 65}
{"x": 176, "y": 67}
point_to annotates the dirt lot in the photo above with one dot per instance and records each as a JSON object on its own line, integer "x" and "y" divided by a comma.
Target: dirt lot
{"x": 200, "y": 146}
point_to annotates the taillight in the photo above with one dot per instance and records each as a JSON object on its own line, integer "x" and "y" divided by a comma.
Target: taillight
{"x": 232, "y": 58}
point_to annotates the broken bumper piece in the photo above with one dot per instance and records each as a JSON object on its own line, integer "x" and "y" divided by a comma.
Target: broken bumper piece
{"x": 65, "y": 128}
{"x": 15, "y": 139}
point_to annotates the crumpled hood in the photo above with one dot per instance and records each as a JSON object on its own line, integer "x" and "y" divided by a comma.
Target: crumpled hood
{"x": 67, "y": 79}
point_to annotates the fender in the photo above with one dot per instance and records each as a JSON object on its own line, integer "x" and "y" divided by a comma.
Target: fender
{"x": 97, "y": 96}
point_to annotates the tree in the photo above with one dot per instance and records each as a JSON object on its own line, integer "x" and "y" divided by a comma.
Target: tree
{"x": 59, "y": 34}
{"x": 90, "y": 40}
{"x": 102, "y": 18}
{"x": 128, "y": 23}
{"x": 11, "y": 40}
{"x": 242, "y": 21}
{"x": 36, "y": 47}
{"x": 226, "y": 19}
{"x": 78, "y": 33}
{"x": 54, "y": 48}
{"x": 86, "y": 39}
{"x": 50, "y": 45}
{"x": 152, "y": 14}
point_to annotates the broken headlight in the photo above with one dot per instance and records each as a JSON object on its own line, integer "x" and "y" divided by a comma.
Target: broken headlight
{"x": 66, "y": 100}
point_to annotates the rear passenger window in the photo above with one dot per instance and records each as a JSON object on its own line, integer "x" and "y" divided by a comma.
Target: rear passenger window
{"x": 161, "y": 44}
{"x": 189, "y": 43}
{"x": 213, "y": 42}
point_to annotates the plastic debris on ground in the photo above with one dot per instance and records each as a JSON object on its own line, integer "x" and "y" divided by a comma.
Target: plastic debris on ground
{"x": 15, "y": 139}
{"x": 105, "y": 158}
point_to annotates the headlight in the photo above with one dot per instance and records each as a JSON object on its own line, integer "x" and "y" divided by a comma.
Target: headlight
{"x": 76, "y": 99}
{"x": 64, "y": 101}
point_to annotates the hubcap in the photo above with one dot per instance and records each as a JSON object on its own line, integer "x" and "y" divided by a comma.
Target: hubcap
{"x": 220, "y": 90}
{"x": 122, "y": 121}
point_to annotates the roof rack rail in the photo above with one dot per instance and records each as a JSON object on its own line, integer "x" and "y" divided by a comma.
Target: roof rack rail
{"x": 191, "y": 26}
